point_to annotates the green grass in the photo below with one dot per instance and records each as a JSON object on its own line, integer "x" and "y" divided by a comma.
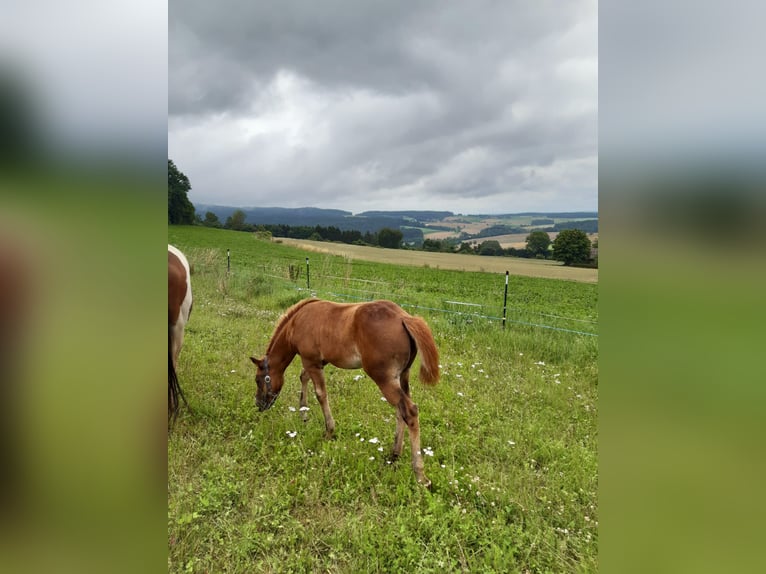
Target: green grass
{"x": 514, "y": 442}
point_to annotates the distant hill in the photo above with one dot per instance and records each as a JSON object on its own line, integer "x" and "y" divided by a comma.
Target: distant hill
{"x": 277, "y": 215}
{"x": 413, "y": 214}
{"x": 312, "y": 216}
{"x": 410, "y": 222}
{"x": 548, "y": 214}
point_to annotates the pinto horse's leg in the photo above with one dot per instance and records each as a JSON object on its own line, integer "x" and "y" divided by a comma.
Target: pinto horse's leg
{"x": 317, "y": 376}
{"x": 407, "y": 413}
{"x": 304, "y": 392}
{"x": 178, "y": 341}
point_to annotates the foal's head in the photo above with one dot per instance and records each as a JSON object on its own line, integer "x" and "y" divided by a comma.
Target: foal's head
{"x": 269, "y": 384}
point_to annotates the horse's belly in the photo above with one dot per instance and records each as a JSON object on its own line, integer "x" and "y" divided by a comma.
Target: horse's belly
{"x": 350, "y": 361}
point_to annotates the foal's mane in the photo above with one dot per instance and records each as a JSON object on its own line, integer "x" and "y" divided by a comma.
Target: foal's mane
{"x": 285, "y": 318}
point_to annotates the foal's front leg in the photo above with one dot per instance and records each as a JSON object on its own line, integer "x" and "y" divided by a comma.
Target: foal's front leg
{"x": 317, "y": 376}
{"x": 304, "y": 401}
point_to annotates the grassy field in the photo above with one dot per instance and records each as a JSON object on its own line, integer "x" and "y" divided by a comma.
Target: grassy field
{"x": 461, "y": 262}
{"x": 510, "y": 432}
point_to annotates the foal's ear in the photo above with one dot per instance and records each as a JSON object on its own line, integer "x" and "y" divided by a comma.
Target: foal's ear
{"x": 256, "y": 361}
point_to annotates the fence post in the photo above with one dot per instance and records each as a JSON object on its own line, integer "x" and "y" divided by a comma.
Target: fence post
{"x": 505, "y": 297}
{"x": 228, "y": 261}
{"x": 308, "y": 278}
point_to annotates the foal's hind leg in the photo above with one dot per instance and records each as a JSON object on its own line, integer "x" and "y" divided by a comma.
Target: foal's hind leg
{"x": 407, "y": 414}
{"x": 404, "y": 383}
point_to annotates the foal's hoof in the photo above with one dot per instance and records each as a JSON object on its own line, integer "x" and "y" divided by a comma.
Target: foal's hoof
{"x": 424, "y": 482}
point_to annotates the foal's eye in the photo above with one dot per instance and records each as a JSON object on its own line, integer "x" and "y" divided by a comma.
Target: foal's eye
{"x": 267, "y": 378}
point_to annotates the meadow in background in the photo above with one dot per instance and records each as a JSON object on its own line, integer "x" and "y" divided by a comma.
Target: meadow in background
{"x": 509, "y": 434}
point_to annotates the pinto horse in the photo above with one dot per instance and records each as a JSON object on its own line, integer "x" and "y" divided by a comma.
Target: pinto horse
{"x": 179, "y": 309}
{"x": 379, "y": 336}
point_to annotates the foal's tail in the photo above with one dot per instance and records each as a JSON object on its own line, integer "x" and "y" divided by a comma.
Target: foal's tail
{"x": 429, "y": 354}
{"x": 175, "y": 394}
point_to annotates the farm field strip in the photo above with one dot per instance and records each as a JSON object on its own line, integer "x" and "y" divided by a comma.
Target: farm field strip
{"x": 456, "y": 261}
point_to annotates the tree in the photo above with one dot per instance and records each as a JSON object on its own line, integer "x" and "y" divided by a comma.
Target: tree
{"x": 571, "y": 246}
{"x": 211, "y": 220}
{"x": 490, "y": 247}
{"x": 513, "y": 252}
{"x": 180, "y": 209}
{"x": 432, "y": 245}
{"x": 538, "y": 243}
{"x": 236, "y": 221}
{"x": 391, "y": 238}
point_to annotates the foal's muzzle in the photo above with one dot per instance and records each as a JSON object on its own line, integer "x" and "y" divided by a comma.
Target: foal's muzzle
{"x": 266, "y": 403}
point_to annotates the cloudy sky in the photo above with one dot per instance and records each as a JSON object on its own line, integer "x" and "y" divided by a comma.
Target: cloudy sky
{"x": 473, "y": 107}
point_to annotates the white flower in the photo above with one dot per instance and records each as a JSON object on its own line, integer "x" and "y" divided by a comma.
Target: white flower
{"x": 380, "y": 449}
{"x": 459, "y": 394}
{"x": 540, "y": 363}
{"x": 374, "y": 440}
{"x": 291, "y": 434}
{"x": 232, "y": 371}
{"x": 382, "y": 398}
{"x": 357, "y": 377}
{"x": 428, "y": 452}
{"x": 302, "y": 409}
{"x": 459, "y": 376}
{"x": 291, "y": 409}
{"x": 510, "y": 442}
{"x": 372, "y": 458}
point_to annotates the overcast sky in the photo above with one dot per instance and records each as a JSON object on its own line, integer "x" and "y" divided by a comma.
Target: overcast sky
{"x": 472, "y": 107}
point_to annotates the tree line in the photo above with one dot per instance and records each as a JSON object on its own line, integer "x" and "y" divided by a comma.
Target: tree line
{"x": 571, "y": 246}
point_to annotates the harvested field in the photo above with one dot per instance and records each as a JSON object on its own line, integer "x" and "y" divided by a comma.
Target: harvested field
{"x": 516, "y": 266}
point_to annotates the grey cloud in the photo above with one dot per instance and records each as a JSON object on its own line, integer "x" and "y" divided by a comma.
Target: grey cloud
{"x": 347, "y": 102}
